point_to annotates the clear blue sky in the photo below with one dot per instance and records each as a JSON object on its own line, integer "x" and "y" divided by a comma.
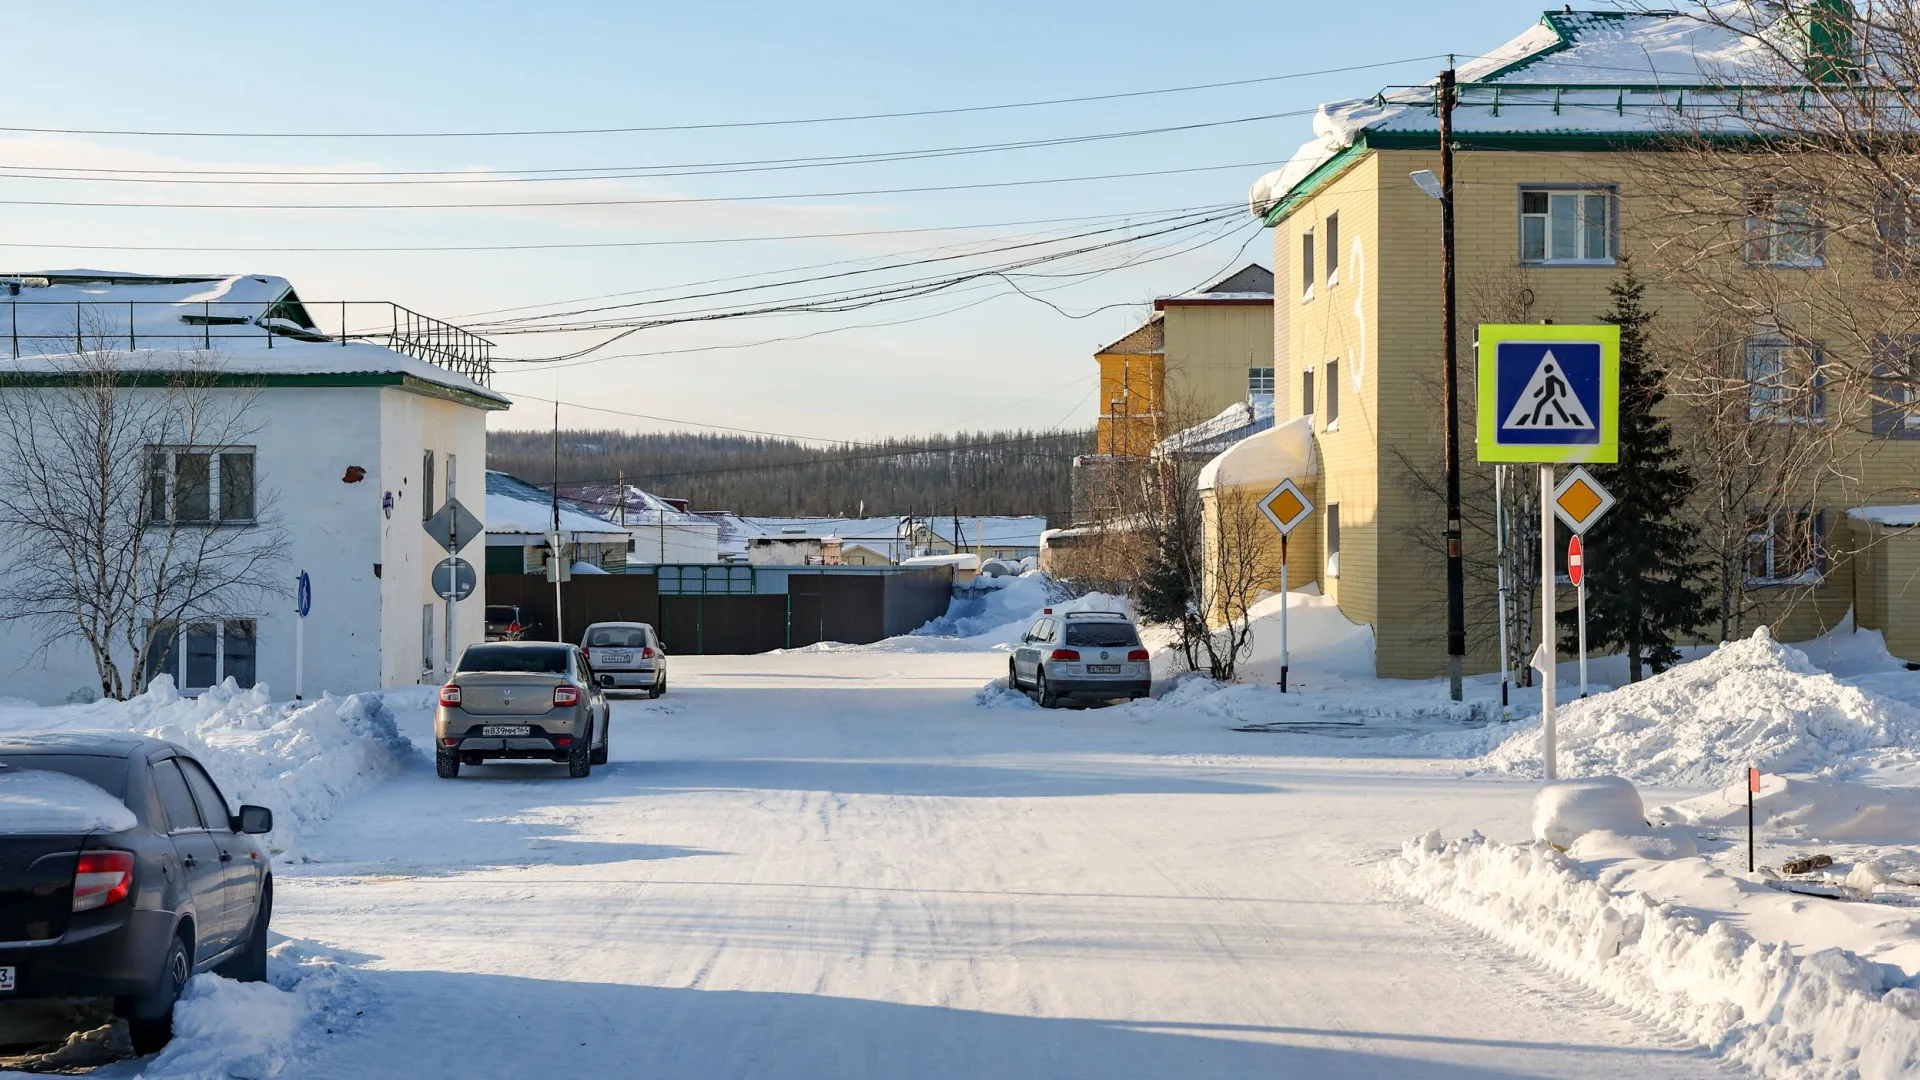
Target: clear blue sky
{"x": 361, "y": 67}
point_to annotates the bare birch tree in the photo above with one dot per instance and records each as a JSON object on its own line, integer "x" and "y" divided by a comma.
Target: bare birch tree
{"x": 111, "y": 540}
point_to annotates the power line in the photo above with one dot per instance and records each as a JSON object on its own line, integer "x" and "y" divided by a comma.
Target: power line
{"x": 578, "y": 246}
{"x": 582, "y": 174}
{"x": 636, "y": 202}
{"x": 718, "y": 126}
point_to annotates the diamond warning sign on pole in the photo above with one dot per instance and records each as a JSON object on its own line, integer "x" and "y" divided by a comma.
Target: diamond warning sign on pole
{"x": 1579, "y": 500}
{"x": 1549, "y": 394}
{"x": 1286, "y": 506}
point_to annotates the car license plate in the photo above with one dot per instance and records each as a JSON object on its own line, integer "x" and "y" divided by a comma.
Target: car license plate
{"x": 1103, "y": 669}
{"x": 616, "y": 658}
{"x": 6, "y": 980}
{"x": 506, "y": 730}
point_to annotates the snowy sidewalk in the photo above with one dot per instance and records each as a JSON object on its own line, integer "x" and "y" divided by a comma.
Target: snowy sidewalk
{"x": 836, "y": 864}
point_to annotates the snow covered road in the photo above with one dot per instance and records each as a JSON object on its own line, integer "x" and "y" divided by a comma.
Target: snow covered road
{"x": 837, "y": 863}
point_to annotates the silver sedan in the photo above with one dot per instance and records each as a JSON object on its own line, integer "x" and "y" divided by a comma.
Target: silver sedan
{"x": 531, "y": 700}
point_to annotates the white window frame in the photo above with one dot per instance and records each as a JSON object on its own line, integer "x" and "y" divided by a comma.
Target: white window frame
{"x": 1583, "y": 196}
{"x": 1768, "y": 231}
{"x": 178, "y": 669}
{"x": 1308, "y": 273}
{"x": 1814, "y": 573}
{"x": 1253, "y": 380}
{"x": 1771, "y": 391}
{"x": 216, "y": 469}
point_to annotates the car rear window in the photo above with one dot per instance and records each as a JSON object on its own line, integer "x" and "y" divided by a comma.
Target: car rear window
{"x": 541, "y": 660}
{"x": 107, "y": 773}
{"x": 1101, "y": 634}
{"x": 616, "y": 637}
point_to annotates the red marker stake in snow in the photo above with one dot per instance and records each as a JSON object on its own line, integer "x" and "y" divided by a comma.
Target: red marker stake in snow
{"x": 1576, "y": 571}
{"x": 1753, "y": 785}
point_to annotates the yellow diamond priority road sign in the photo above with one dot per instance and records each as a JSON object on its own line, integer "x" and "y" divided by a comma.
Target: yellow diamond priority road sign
{"x": 1286, "y": 506}
{"x": 1579, "y": 500}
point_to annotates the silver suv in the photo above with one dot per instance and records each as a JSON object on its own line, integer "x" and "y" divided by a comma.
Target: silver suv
{"x": 1085, "y": 655}
{"x": 534, "y": 700}
{"x": 627, "y": 656}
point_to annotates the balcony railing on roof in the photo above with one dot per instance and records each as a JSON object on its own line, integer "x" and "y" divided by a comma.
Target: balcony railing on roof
{"x": 49, "y": 327}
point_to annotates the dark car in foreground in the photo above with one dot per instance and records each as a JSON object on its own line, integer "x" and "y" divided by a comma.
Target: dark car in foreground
{"x": 127, "y": 896}
{"x": 530, "y": 700}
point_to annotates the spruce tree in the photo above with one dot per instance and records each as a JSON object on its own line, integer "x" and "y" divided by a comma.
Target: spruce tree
{"x": 1644, "y": 570}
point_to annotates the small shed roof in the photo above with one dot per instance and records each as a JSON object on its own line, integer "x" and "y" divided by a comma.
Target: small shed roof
{"x": 1268, "y": 457}
{"x": 517, "y": 508}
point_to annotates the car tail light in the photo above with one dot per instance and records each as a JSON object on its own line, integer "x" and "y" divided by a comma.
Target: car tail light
{"x": 1137, "y": 654}
{"x": 449, "y": 695}
{"x": 566, "y": 695}
{"x": 449, "y": 742}
{"x": 101, "y": 878}
{"x": 646, "y": 653}
{"x": 1065, "y": 654}
{"x": 563, "y": 740}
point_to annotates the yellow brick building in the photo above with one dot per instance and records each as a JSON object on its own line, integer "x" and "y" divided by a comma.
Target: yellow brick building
{"x": 1547, "y": 202}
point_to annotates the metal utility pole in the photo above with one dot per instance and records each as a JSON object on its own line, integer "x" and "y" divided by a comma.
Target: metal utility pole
{"x": 557, "y": 546}
{"x": 1456, "y": 570}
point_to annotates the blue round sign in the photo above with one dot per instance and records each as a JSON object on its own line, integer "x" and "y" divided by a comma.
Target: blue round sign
{"x": 304, "y": 601}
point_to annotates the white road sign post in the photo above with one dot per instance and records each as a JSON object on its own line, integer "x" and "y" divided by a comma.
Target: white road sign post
{"x": 1550, "y": 395}
{"x": 1579, "y": 500}
{"x": 1286, "y": 506}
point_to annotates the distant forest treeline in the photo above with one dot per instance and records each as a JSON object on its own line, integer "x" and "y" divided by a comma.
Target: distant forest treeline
{"x": 986, "y": 472}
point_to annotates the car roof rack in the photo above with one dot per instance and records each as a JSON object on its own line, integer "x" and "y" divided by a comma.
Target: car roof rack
{"x": 1099, "y": 615}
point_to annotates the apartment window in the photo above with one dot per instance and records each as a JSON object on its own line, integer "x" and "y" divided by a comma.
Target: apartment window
{"x": 1306, "y": 392}
{"x": 1259, "y": 381}
{"x": 1896, "y": 388}
{"x": 1783, "y": 230}
{"x": 1333, "y": 393}
{"x": 1566, "y": 225}
{"x": 1787, "y": 383}
{"x": 189, "y": 485}
{"x": 1306, "y": 265}
{"x": 1333, "y": 539}
{"x": 1333, "y": 248}
{"x": 204, "y": 653}
{"x": 428, "y": 504}
{"x": 1786, "y": 547}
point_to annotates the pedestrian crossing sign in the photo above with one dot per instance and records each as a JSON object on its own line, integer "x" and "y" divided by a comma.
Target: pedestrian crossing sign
{"x": 1549, "y": 394}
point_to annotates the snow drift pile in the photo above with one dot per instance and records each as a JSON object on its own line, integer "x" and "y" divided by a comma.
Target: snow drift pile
{"x": 1751, "y": 702}
{"x": 997, "y": 610}
{"x": 226, "y": 1028}
{"x": 296, "y": 758}
{"x": 1812, "y": 809}
{"x": 1828, "y": 1014}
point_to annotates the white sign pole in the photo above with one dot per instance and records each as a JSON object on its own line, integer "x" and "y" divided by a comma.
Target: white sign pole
{"x": 1286, "y": 601}
{"x": 1583, "y": 620}
{"x": 1500, "y": 573}
{"x": 1550, "y": 737}
{"x": 299, "y": 655}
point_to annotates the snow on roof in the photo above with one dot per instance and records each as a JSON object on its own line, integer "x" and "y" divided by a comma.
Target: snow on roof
{"x": 642, "y": 507}
{"x": 517, "y": 508}
{"x": 958, "y": 562}
{"x": 1229, "y": 426}
{"x": 1574, "y": 72}
{"x": 165, "y": 323}
{"x": 1268, "y": 457}
{"x": 1899, "y": 516}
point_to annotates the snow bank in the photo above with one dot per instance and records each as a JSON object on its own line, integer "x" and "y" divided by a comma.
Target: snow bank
{"x": 1828, "y": 1014}
{"x": 39, "y": 801}
{"x": 1807, "y": 809}
{"x": 224, "y": 1028}
{"x": 997, "y": 611}
{"x": 297, "y": 758}
{"x": 1751, "y": 702}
